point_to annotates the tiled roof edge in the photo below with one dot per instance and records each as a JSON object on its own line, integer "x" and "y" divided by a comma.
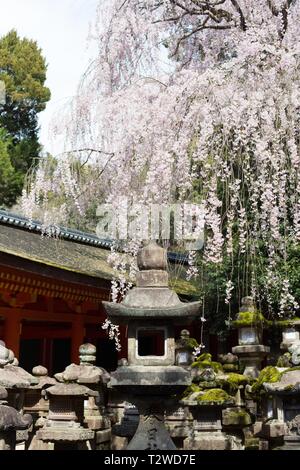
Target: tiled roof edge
{"x": 77, "y": 236}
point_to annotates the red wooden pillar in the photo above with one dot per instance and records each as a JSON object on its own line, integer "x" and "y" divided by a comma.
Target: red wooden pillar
{"x": 12, "y": 331}
{"x": 77, "y": 337}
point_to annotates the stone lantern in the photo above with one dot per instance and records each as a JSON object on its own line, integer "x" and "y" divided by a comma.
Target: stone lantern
{"x": 151, "y": 310}
{"x": 96, "y": 379}
{"x": 37, "y": 406}
{"x": 250, "y": 350}
{"x": 184, "y": 350}
{"x": 290, "y": 337}
{"x": 11, "y": 421}
{"x": 16, "y": 381}
{"x": 285, "y": 422}
{"x": 64, "y": 427}
{"x": 34, "y": 402}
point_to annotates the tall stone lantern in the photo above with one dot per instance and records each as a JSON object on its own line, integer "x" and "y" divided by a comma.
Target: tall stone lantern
{"x": 151, "y": 310}
{"x": 250, "y": 351}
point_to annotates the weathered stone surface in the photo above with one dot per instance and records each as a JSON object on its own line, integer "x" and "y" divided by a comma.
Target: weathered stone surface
{"x": 179, "y": 422}
{"x": 96, "y": 422}
{"x": 251, "y": 357}
{"x": 41, "y": 373}
{"x": 119, "y": 443}
{"x": 37, "y": 444}
{"x": 87, "y": 354}
{"x": 12, "y": 376}
{"x": 22, "y": 374}
{"x": 152, "y": 278}
{"x": 252, "y": 443}
{"x": 67, "y": 435}
{"x": 4, "y": 355}
{"x": 289, "y": 383}
{"x": 3, "y": 395}
{"x": 228, "y": 358}
{"x": 152, "y": 257}
{"x": 169, "y": 346}
{"x": 207, "y": 441}
{"x": 129, "y": 423}
{"x": 103, "y": 436}
{"x": 251, "y": 349}
{"x": 153, "y": 376}
{"x": 236, "y": 417}
{"x": 151, "y": 434}
{"x": 256, "y": 428}
{"x": 181, "y": 313}
{"x": 7, "y": 440}
{"x": 273, "y": 429}
{"x": 148, "y": 301}
{"x": 83, "y": 374}
{"x": 70, "y": 389}
{"x": 294, "y": 349}
{"x": 290, "y": 337}
{"x": 12, "y": 420}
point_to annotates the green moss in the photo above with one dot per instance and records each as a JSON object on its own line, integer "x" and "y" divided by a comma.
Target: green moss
{"x": 285, "y": 323}
{"x": 237, "y": 417}
{"x": 269, "y": 374}
{"x": 230, "y": 367}
{"x": 290, "y": 369}
{"x": 204, "y": 362}
{"x": 192, "y": 343}
{"x": 289, "y": 388}
{"x": 204, "y": 357}
{"x": 234, "y": 381}
{"x": 183, "y": 287}
{"x": 248, "y": 319}
{"x": 193, "y": 388}
{"x": 215, "y": 395}
{"x": 204, "y": 385}
{"x": 284, "y": 360}
{"x": 252, "y": 443}
{"x": 216, "y": 366}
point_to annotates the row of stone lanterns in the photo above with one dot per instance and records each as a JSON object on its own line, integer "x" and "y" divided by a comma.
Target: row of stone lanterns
{"x": 70, "y": 411}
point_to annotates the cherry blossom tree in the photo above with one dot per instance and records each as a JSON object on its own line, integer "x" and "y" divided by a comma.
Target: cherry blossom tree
{"x": 195, "y": 101}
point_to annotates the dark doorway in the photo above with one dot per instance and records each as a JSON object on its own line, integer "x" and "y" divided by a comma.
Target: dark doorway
{"x": 30, "y": 353}
{"x": 61, "y": 355}
{"x": 107, "y": 356}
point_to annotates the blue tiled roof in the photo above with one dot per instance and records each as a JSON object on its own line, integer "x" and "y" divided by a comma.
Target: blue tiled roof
{"x": 77, "y": 236}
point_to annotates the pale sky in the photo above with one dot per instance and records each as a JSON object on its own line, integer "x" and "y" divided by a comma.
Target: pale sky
{"x": 61, "y": 29}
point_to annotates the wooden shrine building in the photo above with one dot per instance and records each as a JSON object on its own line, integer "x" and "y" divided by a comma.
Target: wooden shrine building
{"x": 51, "y": 293}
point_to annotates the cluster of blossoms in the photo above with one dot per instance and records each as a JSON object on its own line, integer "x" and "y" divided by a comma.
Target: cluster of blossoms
{"x": 198, "y": 351}
{"x": 214, "y": 120}
{"x": 288, "y": 304}
{"x": 113, "y": 333}
{"x": 229, "y": 289}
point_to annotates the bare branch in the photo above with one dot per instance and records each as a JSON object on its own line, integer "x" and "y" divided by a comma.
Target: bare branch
{"x": 285, "y": 17}
{"x": 91, "y": 150}
{"x": 183, "y": 7}
{"x": 155, "y": 80}
{"x": 123, "y": 4}
{"x": 272, "y": 7}
{"x": 240, "y": 12}
{"x": 284, "y": 12}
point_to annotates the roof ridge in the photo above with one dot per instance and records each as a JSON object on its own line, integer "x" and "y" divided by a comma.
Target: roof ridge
{"x": 78, "y": 236}
{"x": 74, "y": 235}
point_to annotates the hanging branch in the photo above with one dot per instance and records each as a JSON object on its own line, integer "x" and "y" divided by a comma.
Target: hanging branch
{"x": 243, "y": 24}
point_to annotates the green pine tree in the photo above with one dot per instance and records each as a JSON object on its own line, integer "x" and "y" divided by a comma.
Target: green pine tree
{"x": 23, "y": 70}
